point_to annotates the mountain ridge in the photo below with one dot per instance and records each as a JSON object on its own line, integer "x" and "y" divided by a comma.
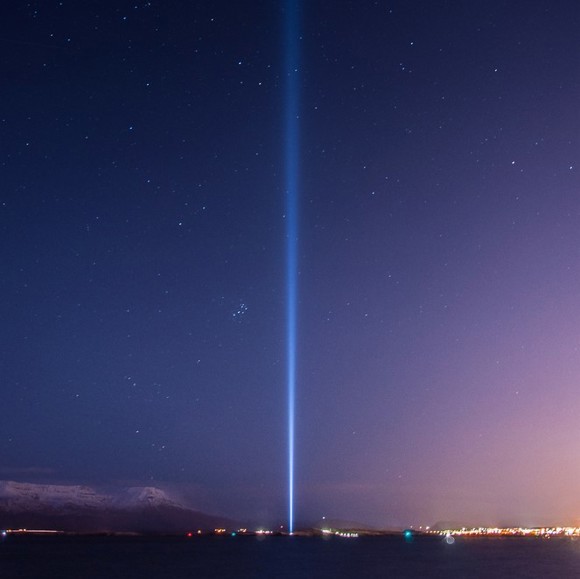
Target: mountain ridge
{"x": 81, "y": 508}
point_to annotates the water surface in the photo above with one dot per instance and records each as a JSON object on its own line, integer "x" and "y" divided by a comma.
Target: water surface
{"x": 285, "y": 557}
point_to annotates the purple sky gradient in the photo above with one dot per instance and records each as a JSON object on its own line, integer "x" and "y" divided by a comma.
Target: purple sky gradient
{"x": 142, "y": 287}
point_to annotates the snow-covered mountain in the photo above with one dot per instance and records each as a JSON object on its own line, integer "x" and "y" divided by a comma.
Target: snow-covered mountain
{"x": 85, "y": 509}
{"x": 147, "y": 496}
{"x": 30, "y": 497}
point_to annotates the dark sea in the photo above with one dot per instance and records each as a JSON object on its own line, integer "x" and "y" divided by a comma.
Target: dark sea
{"x": 281, "y": 557}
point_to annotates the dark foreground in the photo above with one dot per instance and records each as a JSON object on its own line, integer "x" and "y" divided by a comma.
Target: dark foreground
{"x": 281, "y": 557}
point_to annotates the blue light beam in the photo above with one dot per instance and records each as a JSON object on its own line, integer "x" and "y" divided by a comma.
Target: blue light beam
{"x": 291, "y": 182}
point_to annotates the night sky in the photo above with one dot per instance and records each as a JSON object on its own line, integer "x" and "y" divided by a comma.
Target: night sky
{"x": 143, "y": 274}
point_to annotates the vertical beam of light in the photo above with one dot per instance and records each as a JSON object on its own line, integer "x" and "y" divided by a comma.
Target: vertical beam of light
{"x": 291, "y": 185}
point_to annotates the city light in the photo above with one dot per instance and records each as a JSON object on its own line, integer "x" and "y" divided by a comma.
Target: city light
{"x": 346, "y": 534}
{"x": 545, "y": 532}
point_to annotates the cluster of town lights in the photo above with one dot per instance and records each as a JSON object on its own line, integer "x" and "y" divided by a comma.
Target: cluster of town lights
{"x": 6, "y": 532}
{"x": 348, "y": 534}
{"x": 448, "y": 534}
{"x": 511, "y": 532}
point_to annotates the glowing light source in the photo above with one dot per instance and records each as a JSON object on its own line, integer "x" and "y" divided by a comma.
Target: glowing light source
{"x": 291, "y": 182}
